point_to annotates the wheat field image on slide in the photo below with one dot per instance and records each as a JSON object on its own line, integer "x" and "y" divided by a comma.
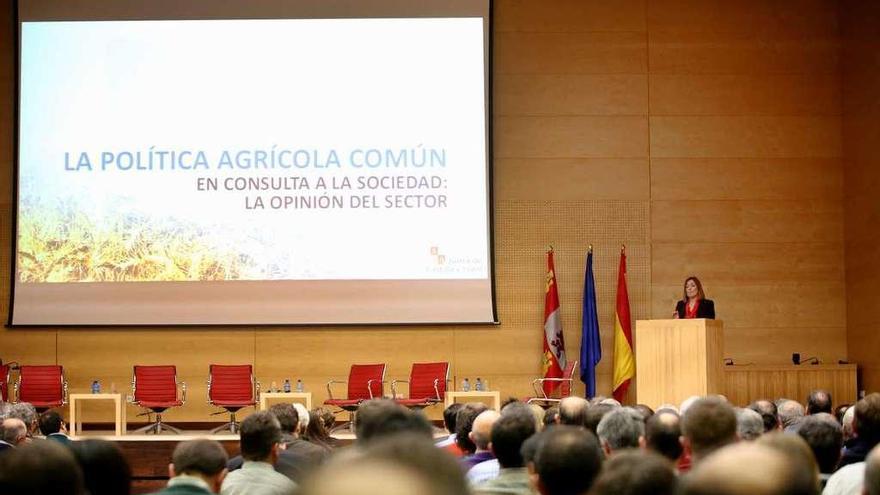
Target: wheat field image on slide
{"x": 59, "y": 243}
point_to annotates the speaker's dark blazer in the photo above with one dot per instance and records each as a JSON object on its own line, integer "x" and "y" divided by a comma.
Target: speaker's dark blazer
{"x": 706, "y": 309}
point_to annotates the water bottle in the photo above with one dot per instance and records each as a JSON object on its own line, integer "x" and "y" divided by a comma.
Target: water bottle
{"x": 96, "y": 387}
{"x": 465, "y": 385}
{"x": 287, "y": 385}
{"x": 479, "y": 385}
{"x": 300, "y": 388}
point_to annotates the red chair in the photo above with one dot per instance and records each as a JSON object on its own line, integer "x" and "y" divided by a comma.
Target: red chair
{"x": 4, "y": 382}
{"x": 42, "y": 386}
{"x": 232, "y": 387}
{"x": 542, "y": 399}
{"x": 427, "y": 385}
{"x": 365, "y": 381}
{"x": 155, "y": 388}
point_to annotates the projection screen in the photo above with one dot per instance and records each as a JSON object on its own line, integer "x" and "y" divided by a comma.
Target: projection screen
{"x": 253, "y": 162}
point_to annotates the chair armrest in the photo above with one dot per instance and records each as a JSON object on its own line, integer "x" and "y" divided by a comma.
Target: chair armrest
{"x": 131, "y": 398}
{"x": 437, "y": 389}
{"x": 542, "y": 380}
{"x": 182, "y": 386}
{"x": 329, "y": 391}
{"x": 257, "y": 391}
{"x": 393, "y": 389}
{"x": 370, "y": 386}
{"x": 539, "y": 391}
{"x": 64, "y": 392}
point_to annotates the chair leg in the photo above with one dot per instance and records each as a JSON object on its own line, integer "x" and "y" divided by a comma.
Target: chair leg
{"x": 346, "y": 426}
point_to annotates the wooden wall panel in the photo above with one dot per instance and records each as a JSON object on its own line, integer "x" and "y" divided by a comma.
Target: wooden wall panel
{"x": 569, "y": 15}
{"x": 564, "y": 137}
{"x": 749, "y": 94}
{"x": 745, "y": 178}
{"x": 861, "y": 133}
{"x": 570, "y": 179}
{"x": 747, "y": 221}
{"x": 745, "y": 137}
{"x": 571, "y": 94}
{"x": 570, "y": 53}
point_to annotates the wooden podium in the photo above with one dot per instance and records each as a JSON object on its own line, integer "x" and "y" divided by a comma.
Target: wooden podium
{"x": 676, "y": 359}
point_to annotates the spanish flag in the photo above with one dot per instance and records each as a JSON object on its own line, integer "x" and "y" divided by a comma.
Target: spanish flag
{"x": 553, "y": 360}
{"x": 624, "y": 361}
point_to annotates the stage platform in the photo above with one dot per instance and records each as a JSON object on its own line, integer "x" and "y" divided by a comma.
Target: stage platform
{"x": 149, "y": 455}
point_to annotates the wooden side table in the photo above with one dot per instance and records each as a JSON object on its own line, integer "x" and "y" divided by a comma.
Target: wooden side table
{"x": 494, "y": 395}
{"x": 76, "y": 419}
{"x": 304, "y": 397}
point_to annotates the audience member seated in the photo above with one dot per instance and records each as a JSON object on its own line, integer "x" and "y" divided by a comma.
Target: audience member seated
{"x": 871, "y": 484}
{"x": 13, "y": 433}
{"x": 464, "y": 423}
{"x": 27, "y": 413}
{"x": 550, "y": 416}
{"x": 840, "y": 410}
{"x": 487, "y": 470}
{"x": 636, "y": 473}
{"x": 509, "y": 433}
{"x": 749, "y": 424}
{"x": 663, "y": 434}
{"x": 317, "y": 431}
{"x": 481, "y": 435}
{"x": 448, "y": 443}
{"x": 796, "y": 450}
{"x": 260, "y": 443}
{"x": 595, "y": 414}
{"x": 768, "y": 412}
{"x": 197, "y": 468}
{"x": 866, "y": 430}
{"x": 622, "y": 428}
{"x": 847, "y": 424}
{"x": 819, "y": 401}
{"x": 399, "y": 464}
{"x": 707, "y": 425}
{"x": 825, "y": 438}
{"x": 40, "y": 468}
{"x": 644, "y": 410}
{"x": 104, "y": 468}
{"x": 52, "y": 427}
{"x": 790, "y": 413}
{"x": 568, "y": 460}
{"x": 748, "y": 468}
{"x": 377, "y": 418}
{"x": 299, "y": 456}
{"x": 573, "y": 411}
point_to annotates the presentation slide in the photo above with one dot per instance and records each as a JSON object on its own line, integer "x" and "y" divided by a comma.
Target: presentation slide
{"x": 253, "y": 171}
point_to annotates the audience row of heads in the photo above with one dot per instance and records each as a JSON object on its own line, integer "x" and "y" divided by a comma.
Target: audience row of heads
{"x": 592, "y": 447}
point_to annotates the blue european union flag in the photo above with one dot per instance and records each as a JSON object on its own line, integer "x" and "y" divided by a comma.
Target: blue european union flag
{"x": 591, "y": 346}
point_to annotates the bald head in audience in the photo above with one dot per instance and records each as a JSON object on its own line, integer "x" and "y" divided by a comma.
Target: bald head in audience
{"x": 789, "y": 412}
{"x": 481, "y": 434}
{"x": 707, "y": 425}
{"x": 573, "y": 411}
{"x": 728, "y": 472}
{"x": 13, "y": 432}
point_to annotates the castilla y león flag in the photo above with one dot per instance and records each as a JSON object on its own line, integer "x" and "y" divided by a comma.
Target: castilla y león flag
{"x": 554, "y": 344}
{"x": 624, "y": 362}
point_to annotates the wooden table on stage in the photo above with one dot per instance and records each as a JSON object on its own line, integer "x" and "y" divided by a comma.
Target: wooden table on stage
{"x": 491, "y": 394}
{"x": 305, "y": 397}
{"x": 749, "y": 383}
{"x": 76, "y": 418}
